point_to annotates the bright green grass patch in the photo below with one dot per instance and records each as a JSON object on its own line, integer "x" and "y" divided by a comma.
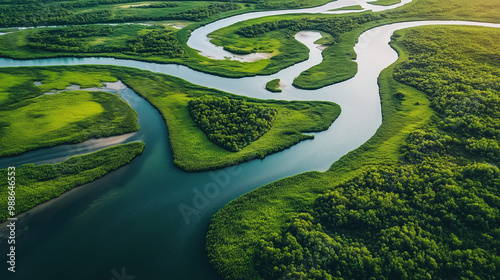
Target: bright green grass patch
{"x": 273, "y": 85}
{"x": 284, "y": 51}
{"x": 125, "y": 10}
{"x": 349, "y": 8}
{"x": 35, "y": 120}
{"x": 337, "y": 66}
{"x": 385, "y": 2}
{"x": 37, "y": 184}
{"x": 32, "y": 120}
{"x": 481, "y": 10}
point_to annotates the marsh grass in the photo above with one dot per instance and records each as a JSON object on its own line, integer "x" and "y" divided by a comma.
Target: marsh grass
{"x": 273, "y": 85}
{"x": 36, "y": 184}
{"x": 31, "y": 120}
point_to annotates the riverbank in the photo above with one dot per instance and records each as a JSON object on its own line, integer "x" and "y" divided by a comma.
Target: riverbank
{"x": 37, "y": 184}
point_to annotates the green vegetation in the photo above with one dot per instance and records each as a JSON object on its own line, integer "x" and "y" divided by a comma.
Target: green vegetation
{"x": 481, "y": 10}
{"x": 135, "y": 43}
{"x": 32, "y": 120}
{"x": 191, "y": 148}
{"x": 337, "y": 64}
{"x": 333, "y": 26}
{"x": 108, "y": 39}
{"x": 385, "y": 2}
{"x": 464, "y": 89}
{"x": 286, "y": 4}
{"x": 231, "y": 124}
{"x": 273, "y": 85}
{"x": 349, "y": 8}
{"x": 85, "y": 12}
{"x": 38, "y": 13}
{"x": 40, "y": 183}
{"x": 156, "y": 5}
{"x": 394, "y": 223}
{"x": 415, "y": 201}
{"x": 127, "y": 41}
{"x": 96, "y": 114}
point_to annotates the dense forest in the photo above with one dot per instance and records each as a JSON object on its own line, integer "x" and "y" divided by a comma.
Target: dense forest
{"x": 464, "y": 91}
{"x": 39, "y": 183}
{"x": 432, "y": 220}
{"x": 437, "y": 214}
{"x": 334, "y": 26}
{"x": 78, "y": 39}
{"x": 37, "y": 14}
{"x": 229, "y": 123}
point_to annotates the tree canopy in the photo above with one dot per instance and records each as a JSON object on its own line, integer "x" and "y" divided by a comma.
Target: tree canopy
{"x": 231, "y": 124}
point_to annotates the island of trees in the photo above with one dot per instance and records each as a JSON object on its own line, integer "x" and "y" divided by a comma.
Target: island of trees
{"x": 231, "y": 124}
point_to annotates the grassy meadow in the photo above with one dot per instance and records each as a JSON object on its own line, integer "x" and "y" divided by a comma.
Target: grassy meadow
{"x": 31, "y": 119}
{"x": 385, "y": 2}
{"x": 349, "y": 8}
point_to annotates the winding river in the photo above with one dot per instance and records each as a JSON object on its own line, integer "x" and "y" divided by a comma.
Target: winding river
{"x": 129, "y": 221}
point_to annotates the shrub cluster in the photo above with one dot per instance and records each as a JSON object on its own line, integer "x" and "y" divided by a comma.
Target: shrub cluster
{"x": 229, "y": 123}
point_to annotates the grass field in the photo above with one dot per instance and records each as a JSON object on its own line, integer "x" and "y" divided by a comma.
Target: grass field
{"x": 40, "y": 183}
{"x": 32, "y": 120}
{"x": 349, "y": 8}
{"x": 385, "y": 2}
{"x": 237, "y": 229}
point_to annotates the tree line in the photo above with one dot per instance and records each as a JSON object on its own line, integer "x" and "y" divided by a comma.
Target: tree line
{"x": 157, "y": 5}
{"x": 335, "y": 26}
{"x": 75, "y": 39}
{"x": 37, "y": 14}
